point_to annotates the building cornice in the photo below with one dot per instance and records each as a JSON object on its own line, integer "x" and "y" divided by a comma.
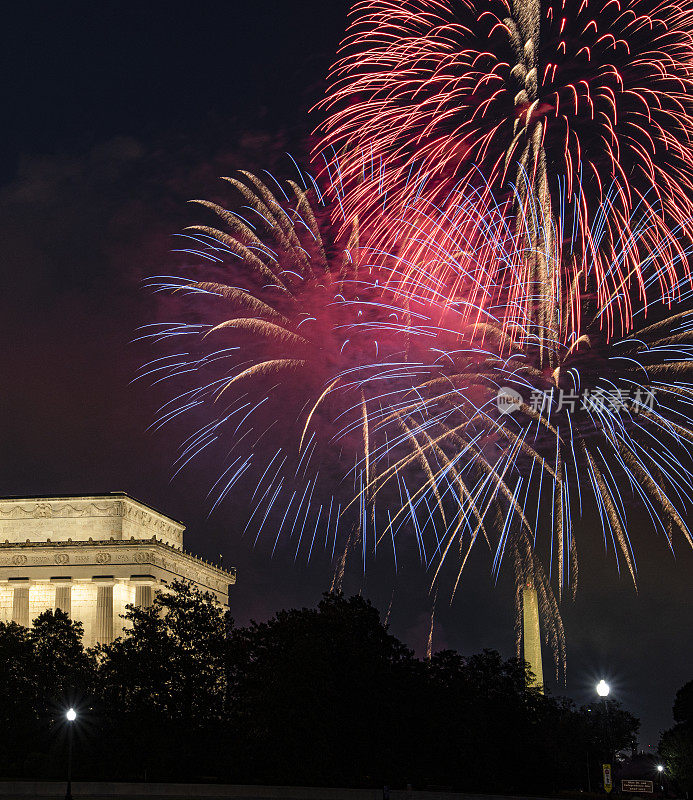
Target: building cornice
{"x": 116, "y": 553}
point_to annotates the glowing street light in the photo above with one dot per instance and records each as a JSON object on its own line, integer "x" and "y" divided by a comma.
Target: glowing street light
{"x": 70, "y": 716}
{"x": 603, "y": 691}
{"x": 660, "y": 768}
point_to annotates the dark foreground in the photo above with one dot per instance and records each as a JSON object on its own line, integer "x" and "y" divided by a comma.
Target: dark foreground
{"x": 55, "y": 790}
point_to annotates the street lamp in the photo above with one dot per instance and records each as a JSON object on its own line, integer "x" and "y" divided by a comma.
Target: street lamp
{"x": 603, "y": 691}
{"x": 70, "y": 716}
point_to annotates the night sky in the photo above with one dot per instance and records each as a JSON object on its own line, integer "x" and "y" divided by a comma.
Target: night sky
{"x": 116, "y": 114}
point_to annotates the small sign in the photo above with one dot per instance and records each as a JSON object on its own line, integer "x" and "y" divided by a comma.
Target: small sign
{"x": 606, "y": 772}
{"x": 637, "y": 787}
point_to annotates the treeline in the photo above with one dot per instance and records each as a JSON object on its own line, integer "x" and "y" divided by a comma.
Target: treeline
{"x": 676, "y": 744}
{"x": 321, "y": 696}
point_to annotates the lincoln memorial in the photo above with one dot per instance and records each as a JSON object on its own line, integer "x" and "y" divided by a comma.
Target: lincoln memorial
{"x": 90, "y": 556}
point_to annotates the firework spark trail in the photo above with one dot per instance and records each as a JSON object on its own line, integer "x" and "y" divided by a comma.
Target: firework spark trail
{"x": 429, "y": 645}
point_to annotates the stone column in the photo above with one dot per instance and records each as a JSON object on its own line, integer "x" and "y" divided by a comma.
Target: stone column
{"x": 104, "y": 612}
{"x": 63, "y": 597}
{"x": 144, "y": 595}
{"x": 20, "y": 605}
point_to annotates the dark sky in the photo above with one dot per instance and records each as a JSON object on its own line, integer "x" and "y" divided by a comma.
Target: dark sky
{"x": 115, "y": 114}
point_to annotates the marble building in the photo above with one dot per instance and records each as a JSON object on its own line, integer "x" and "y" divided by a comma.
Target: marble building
{"x": 90, "y": 556}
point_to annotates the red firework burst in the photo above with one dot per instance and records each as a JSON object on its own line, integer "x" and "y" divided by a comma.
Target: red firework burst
{"x": 582, "y": 109}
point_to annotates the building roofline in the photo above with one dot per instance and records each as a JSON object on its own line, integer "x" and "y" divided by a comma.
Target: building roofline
{"x": 104, "y": 495}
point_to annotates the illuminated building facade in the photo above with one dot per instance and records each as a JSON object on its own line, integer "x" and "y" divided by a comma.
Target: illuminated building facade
{"x": 90, "y": 556}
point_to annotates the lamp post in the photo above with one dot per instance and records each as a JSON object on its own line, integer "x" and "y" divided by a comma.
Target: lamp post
{"x": 70, "y": 716}
{"x": 660, "y": 772}
{"x": 603, "y": 690}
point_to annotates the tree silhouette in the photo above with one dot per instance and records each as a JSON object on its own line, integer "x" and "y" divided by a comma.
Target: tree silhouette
{"x": 321, "y": 696}
{"x": 676, "y": 744}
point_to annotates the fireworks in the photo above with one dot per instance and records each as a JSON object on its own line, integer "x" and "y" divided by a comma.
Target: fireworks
{"x": 480, "y": 330}
{"x": 360, "y": 404}
{"x": 607, "y": 425}
{"x": 352, "y": 406}
{"x": 573, "y": 121}
{"x": 567, "y": 101}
